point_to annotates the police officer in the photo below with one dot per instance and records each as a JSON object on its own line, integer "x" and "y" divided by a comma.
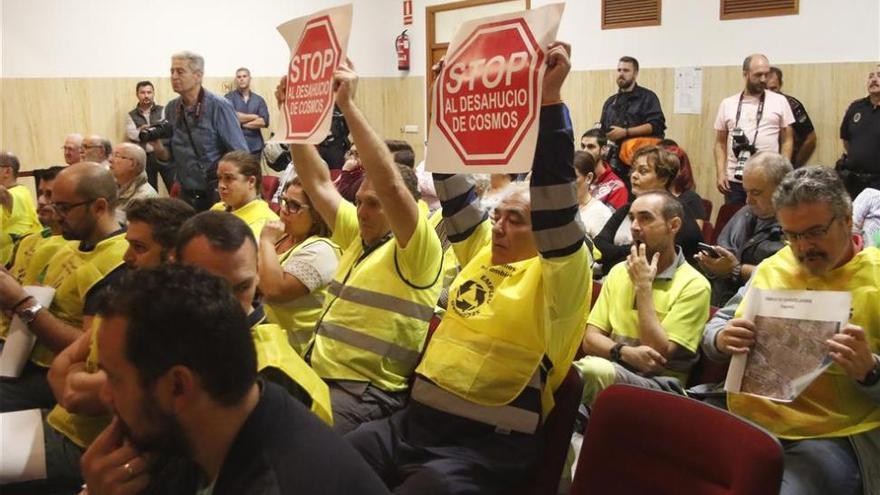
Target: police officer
{"x": 860, "y": 132}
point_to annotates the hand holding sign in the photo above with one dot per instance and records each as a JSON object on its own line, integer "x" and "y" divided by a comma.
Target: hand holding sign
{"x": 318, "y": 43}
{"x": 345, "y": 81}
{"x": 487, "y": 95}
{"x": 558, "y": 66}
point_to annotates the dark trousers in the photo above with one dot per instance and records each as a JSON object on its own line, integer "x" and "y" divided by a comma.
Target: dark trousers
{"x": 155, "y": 169}
{"x": 355, "y": 403}
{"x": 28, "y": 391}
{"x": 200, "y": 200}
{"x": 736, "y": 194}
{"x": 420, "y": 450}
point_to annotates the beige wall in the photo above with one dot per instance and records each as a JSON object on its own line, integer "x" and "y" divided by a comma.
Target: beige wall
{"x": 38, "y": 113}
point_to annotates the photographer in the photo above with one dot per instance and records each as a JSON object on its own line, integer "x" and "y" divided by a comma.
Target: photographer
{"x": 146, "y": 114}
{"x": 202, "y": 127}
{"x": 751, "y": 121}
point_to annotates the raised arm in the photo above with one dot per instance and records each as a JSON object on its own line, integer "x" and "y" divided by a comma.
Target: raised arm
{"x": 397, "y": 202}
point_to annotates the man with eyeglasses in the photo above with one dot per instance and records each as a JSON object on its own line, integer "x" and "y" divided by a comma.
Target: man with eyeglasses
{"x": 831, "y": 432}
{"x": 18, "y": 215}
{"x": 97, "y": 149}
{"x": 84, "y": 198}
{"x": 72, "y": 148}
{"x": 128, "y": 164}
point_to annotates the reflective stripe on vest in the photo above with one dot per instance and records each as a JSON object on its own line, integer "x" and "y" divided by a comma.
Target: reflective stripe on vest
{"x": 507, "y": 417}
{"x": 369, "y": 343}
{"x": 381, "y": 301}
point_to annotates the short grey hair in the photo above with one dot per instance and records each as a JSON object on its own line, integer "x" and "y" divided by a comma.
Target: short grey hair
{"x": 137, "y": 155}
{"x": 813, "y": 184}
{"x": 194, "y": 61}
{"x": 774, "y": 166}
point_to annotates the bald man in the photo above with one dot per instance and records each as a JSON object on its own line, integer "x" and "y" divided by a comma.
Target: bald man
{"x": 18, "y": 215}
{"x": 127, "y": 164}
{"x": 84, "y": 198}
{"x": 747, "y": 122}
{"x": 73, "y": 148}
{"x": 97, "y": 148}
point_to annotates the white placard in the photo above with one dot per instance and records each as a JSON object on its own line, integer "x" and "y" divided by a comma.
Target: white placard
{"x": 688, "y": 90}
{"x": 22, "y": 448}
{"x": 20, "y": 340}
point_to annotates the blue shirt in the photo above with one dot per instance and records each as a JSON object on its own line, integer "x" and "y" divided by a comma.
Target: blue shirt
{"x": 215, "y": 131}
{"x": 255, "y": 105}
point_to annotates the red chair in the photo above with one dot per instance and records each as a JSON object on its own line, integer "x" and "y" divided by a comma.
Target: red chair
{"x": 707, "y": 370}
{"x": 645, "y": 441}
{"x": 707, "y": 205}
{"x": 708, "y": 232}
{"x": 725, "y": 213}
{"x": 557, "y": 435}
{"x": 175, "y": 190}
{"x": 269, "y": 186}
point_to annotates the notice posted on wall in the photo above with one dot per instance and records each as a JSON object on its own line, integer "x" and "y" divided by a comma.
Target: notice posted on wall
{"x": 791, "y": 328}
{"x": 487, "y": 98}
{"x": 318, "y": 44}
{"x": 688, "y": 90}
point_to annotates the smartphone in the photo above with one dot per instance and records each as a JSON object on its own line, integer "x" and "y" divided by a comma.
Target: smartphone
{"x": 708, "y": 250}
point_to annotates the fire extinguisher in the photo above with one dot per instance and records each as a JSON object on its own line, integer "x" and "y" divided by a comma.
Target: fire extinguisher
{"x": 401, "y": 43}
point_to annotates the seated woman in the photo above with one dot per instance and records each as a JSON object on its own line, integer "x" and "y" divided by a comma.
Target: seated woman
{"x": 683, "y": 186}
{"x": 594, "y": 213}
{"x": 297, "y": 261}
{"x": 239, "y": 180}
{"x": 653, "y": 169}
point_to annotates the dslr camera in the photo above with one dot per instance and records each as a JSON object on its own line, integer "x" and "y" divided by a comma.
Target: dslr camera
{"x": 160, "y": 130}
{"x": 742, "y": 150}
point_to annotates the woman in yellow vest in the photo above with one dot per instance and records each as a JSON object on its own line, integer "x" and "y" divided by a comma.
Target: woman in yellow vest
{"x": 239, "y": 179}
{"x": 297, "y": 261}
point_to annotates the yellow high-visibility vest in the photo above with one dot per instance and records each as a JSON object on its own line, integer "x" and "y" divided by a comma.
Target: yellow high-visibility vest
{"x": 297, "y": 318}
{"x": 73, "y": 272}
{"x": 275, "y": 354}
{"x": 19, "y": 222}
{"x": 833, "y": 405}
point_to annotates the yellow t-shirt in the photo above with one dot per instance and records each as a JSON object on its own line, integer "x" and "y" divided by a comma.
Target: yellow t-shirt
{"x": 681, "y": 300}
{"x": 834, "y": 404}
{"x": 255, "y": 214}
{"x": 18, "y": 222}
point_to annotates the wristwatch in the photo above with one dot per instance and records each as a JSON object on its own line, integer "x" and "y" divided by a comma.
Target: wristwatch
{"x": 615, "y": 353}
{"x": 29, "y": 313}
{"x": 873, "y": 376}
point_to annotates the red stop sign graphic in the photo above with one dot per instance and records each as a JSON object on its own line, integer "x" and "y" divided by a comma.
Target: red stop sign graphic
{"x": 310, "y": 78}
{"x": 488, "y": 94}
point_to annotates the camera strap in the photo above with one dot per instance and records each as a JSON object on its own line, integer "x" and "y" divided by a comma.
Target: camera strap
{"x": 757, "y": 116}
{"x": 181, "y": 115}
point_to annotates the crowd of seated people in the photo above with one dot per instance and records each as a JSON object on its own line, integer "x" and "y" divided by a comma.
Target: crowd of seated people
{"x": 355, "y": 336}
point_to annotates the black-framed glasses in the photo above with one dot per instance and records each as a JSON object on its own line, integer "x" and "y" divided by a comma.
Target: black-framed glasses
{"x": 64, "y": 208}
{"x": 292, "y": 206}
{"x": 811, "y": 235}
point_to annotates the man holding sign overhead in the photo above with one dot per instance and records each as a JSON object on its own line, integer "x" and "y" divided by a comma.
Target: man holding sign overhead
{"x": 369, "y": 337}
{"x": 516, "y": 314}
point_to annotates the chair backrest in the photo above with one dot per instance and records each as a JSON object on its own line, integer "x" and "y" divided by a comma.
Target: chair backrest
{"x": 707, "y": 205}
{"x": 269, "y": 186}
{"x": 724, "y": 215}
{"x": 645, "y": 441}
{"x": 708, "y": 232}
{"x": 558, "y": 428}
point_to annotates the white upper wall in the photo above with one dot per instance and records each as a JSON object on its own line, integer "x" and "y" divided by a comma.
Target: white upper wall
{"x": 129, "y": 38}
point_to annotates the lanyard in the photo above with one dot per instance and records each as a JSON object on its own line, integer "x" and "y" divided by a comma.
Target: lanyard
{"x": 757, "y": 117}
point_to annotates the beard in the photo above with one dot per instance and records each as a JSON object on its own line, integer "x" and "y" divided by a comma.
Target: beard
{"x": 624, "y": 83}
{"x": 755, "y": 88}
{"x": 166, "y": 437}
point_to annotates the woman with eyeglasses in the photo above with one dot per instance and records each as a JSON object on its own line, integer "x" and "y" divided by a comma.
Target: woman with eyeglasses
{"x": 297, "y": 261}
{"x": 239, "y": 180}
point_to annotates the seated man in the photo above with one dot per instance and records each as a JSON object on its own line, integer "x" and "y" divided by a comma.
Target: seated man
{"x": 97, "y": 149}
{"x": 516, "y": 313}
{"x": 84, "y": 198}
{"x": 80, "y": 415}
{"x": 224, "y": 245}
{"x": 753, "y": 233}
{"x": 648, "y": 321}
{"x": 370, "y": 337}
{"x": 830, "y": 432}
{"x": 608, "y": 187}
{"x": 127, "y": 164}
{"x": 26, "y": 263}
{"x": 18, "y": 216}
{"x": 190, "y": 414}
